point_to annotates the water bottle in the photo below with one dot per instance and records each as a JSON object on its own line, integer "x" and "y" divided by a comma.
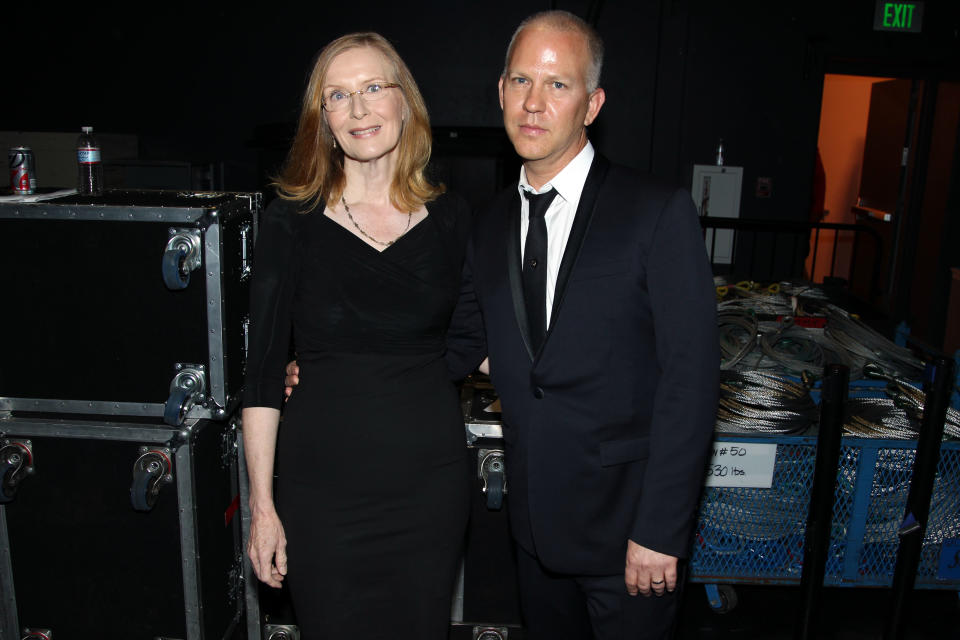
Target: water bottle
{"x": 90, "y": 180}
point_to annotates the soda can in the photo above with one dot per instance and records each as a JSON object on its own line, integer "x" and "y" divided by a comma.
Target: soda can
{"x": 23, "y": 170}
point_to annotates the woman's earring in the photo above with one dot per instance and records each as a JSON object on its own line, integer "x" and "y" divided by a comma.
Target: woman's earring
{"x": 334, "y": 144}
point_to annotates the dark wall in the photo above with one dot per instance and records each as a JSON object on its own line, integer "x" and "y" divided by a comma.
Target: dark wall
{"x": 199, "y": 81}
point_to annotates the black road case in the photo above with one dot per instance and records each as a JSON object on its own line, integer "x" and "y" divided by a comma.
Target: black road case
{"x": 77, "y": 557}
{"x": 133, "y": 303}
{"x": 486, "y": 604}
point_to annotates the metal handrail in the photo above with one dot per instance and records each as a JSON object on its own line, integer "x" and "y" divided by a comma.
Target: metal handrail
{"x": 801, "y": 230}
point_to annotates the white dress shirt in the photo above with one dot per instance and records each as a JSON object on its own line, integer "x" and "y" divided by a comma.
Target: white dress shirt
{"x": 559, "y": 216}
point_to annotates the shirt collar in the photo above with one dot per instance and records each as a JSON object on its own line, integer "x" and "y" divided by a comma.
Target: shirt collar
{"x": 569, "y": 182}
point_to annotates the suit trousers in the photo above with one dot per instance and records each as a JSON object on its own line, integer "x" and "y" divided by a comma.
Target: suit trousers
{"x": 568, "y": 607}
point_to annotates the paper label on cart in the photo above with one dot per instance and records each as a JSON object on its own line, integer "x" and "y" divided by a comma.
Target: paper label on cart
{"x": 741, "y": 464}
{"x": 949, "y": 560}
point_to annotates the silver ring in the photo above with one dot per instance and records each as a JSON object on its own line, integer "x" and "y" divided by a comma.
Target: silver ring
{"x": 656, "y": 582}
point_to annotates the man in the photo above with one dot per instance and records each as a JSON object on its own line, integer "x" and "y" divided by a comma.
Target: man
{"x": 598, "y": 317}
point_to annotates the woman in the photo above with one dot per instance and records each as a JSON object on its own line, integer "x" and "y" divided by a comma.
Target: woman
{"x": 360, "y": 256}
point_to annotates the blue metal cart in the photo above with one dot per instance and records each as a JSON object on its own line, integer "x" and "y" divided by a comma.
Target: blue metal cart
{"x": 751, "y": 535}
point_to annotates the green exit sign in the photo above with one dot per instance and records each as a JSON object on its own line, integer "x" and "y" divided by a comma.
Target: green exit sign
{"x": 898, "y": 16}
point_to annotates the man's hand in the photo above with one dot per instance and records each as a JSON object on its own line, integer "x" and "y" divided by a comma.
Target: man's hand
{"x": 484, "y": 367}
{"x": 292, "y": 378}
{"x": 649, "y": 571}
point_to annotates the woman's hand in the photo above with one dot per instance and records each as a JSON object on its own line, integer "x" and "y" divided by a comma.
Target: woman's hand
{"x": 267, "y": 547}
{"x": 292, "y": 377}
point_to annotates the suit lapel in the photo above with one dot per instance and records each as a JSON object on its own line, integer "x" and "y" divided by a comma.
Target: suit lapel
{"x": 581, "y": 222}
{"x": 512, "y": 237}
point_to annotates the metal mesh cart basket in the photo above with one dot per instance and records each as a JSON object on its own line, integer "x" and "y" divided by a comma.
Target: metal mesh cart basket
{"x": 753, "y": 535}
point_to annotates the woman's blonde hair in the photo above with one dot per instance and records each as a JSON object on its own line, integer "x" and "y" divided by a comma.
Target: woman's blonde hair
{"x": 313, "y": 170}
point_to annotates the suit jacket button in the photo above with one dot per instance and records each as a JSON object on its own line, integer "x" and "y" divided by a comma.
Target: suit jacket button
{"x": 538, "y": 393}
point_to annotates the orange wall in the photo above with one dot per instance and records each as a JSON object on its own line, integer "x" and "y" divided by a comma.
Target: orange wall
{"x": 843, "y": 129}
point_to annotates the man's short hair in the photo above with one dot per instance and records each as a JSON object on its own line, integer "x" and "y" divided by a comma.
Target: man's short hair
{"x": 565, "y": 21}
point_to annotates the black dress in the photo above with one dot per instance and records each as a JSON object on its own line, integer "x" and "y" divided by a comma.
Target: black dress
{"x": 372, "y": 484}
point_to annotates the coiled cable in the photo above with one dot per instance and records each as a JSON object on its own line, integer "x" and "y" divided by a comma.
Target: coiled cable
{"x": 860, "y": 340}
{"x": 738, "y": 336}
{"x": 755, "y": 401}
{"x": 801, "y": 351}
{"x": 899, "y": 415}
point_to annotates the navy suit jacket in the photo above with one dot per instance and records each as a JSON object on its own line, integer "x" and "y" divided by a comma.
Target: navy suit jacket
{"x": 607, "y": 427}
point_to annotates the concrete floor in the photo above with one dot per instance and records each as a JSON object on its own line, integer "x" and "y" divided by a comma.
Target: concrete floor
{"x": 771, "y": 612}
{"x": 767, "y": 612}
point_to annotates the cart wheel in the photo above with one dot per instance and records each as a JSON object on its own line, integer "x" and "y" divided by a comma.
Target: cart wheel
{"x": 140, "y": 491}
{"x": 721, "y": 597}
{"x": 172, "y": 269}
{"x": 494, "y": 490}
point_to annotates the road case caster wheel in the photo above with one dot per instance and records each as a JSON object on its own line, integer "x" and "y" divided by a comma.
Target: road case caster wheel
{"x": 7, "y": 487}
{"x": 174, "y": 274}
{"x": 150, "y": 472}
{"x": 495, "y": 491}
{"x": 177, "y": 406}
{"x": 180, "y": 257}
{"x": 490, "y": 633}
{"x": 140, "y": 491}
{"x": 491, "y": 469}
{"x": 281, "y": 632}
{"x": 16, "y": 461}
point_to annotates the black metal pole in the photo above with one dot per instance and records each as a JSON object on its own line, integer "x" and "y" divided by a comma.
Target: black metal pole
{"x": 901, "y": 196}
{"x": 938, "y": 386}
{"x": 817, "y": 541}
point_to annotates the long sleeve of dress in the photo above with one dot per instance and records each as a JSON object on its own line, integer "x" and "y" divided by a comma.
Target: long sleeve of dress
{"x": 271, "y": 301}
{"x": 466, "y": 340}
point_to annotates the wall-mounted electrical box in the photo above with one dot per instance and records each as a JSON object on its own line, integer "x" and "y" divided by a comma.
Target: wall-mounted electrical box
{"x": 716, "y": 192}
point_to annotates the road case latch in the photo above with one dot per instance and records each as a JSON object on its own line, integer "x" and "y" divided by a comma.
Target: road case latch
{"x": 181, "y": 256}
{"x": 245, "y": 328}
{"x": 16, "y": 462}
{"x": 150, "y": 472}
{"x": 186, "y": 389}
{"x": 246, "y": 251}
{"x": 235, "y": 581}
{"x": 491, "y": 470}
{"x": 228, "y": 447}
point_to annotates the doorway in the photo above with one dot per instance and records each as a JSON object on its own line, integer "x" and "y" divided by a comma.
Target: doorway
{"x": 844, "y": 111}
{"x": 889, "y": 149}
